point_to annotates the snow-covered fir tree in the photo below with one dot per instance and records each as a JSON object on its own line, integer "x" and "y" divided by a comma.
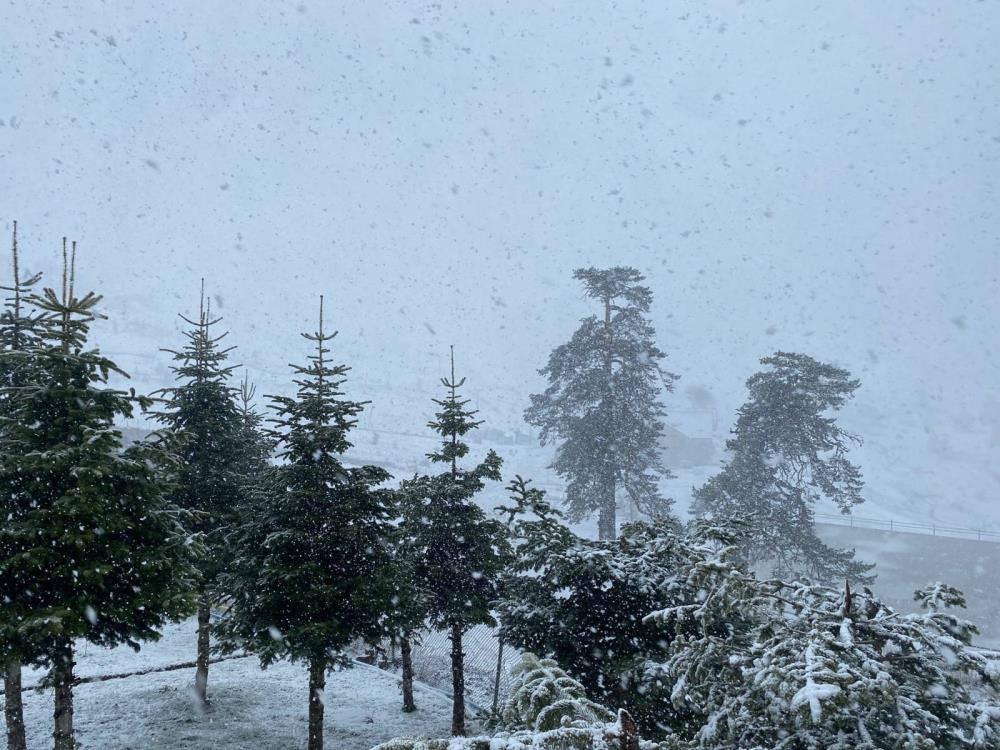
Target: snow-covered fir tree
{"x": 787, "y": 453}
{"x": 19, "y": 336}
{"x": 707, "y": 628}
{"x": 310, "y": 567}
{"x": 460, "y": 552}
{"x": 584, "y": 601}
{"x": 91, "y": 548}
{"x": 202, "y": 421}
{"x": 758, "y": 665}
{"x": 602, "y": 406}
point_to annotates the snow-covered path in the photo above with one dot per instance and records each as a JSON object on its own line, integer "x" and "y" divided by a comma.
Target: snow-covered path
{"x": 251, "y": 708}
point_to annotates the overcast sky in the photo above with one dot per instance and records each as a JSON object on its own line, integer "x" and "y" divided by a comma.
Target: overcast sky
{"x": 811, "y": 177}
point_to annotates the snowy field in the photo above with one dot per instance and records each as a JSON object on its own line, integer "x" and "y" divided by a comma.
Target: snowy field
{"x": 251, "y": 708}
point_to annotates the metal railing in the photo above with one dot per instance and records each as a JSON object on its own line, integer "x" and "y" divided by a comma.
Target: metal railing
{"x": 905, "y": 527}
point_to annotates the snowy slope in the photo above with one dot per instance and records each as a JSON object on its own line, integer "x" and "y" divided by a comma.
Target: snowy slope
{"x": 251, "y": 709}
{"x": 812, "y": 178}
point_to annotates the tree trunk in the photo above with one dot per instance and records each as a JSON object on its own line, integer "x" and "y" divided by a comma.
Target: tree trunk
{"x": 405, "y": 651}
{"x": 457, "y": 682}
{"x": 606, "y": 520}
{"x": 63, "y": 714}
{"x": 201, "y": 668}
{"x": 496, "y": 678}
{"x": 630, "y": 731}
{"x": 13, "y": 708}
{"x": 317, "y": 684}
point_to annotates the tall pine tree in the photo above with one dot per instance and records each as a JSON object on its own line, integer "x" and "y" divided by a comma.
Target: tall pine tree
{"x": 460, "y": 552}
{"x": 310, "y": 568}
{"x": 91, "y": 547}
{"x": 202, "y": 420}
{"x": 602, "y": 405}
{"x": 19, "y": 336}
{"x": 786, "y": 454}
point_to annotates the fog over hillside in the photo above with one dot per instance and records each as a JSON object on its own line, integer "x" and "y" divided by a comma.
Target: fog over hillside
{"x": 805, "y": 177}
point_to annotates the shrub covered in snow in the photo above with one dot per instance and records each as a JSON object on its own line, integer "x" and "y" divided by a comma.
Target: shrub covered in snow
{"x": 544, "y": 697}
{"x": 620, "y": 734}
{"x": 610, "y": 736}
{"x": 547, "y": 710}
{"x": 795, "y": 665}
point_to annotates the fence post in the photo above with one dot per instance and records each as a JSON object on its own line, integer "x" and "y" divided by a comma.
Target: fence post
{"x": 496, "y": 682}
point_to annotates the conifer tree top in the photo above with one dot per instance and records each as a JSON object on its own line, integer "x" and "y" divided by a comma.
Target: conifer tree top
{"x": 786, "y": 415}
{"x": 786, "y": 454}
{"x": 18, "y": 321}
{"x": 201, "y": 359}
{"x": 452, "y": 422}
{"x": 619, "y": 282}
{"x": 796, "y": 390}
{"x": 316, "y": 419}
{"x": 68, "y": 317}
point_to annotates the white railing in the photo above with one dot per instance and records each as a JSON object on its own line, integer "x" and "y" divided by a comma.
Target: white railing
{"x": 905, "y": 527}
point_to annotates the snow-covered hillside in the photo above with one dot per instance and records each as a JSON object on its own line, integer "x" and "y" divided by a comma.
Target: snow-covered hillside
{"x": 789, "y": 176}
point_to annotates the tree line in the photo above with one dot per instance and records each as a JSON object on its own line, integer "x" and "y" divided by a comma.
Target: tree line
{"x": 255, "y": 516}
{"x": 257, "y": 519}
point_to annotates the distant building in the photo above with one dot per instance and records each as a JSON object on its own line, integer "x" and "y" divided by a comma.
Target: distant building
{"x": 682, "y": 450}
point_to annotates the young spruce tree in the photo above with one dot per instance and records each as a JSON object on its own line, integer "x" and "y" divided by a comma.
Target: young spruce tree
{"x": 19, "y": 336}
{"x": 256, "y": 445}
{"x": 603, "y": 403}
{"x": 310, "y": 568}
{"x": 460, "y": 552}
{"x": 582, "y": 601}
{"x": 91, "y": 548}
{"x": 786, "y": 454}
{"x": 202, "y": 419}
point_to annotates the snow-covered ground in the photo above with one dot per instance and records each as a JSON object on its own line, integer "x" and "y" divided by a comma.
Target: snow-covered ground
{"x": 251, "y": 708}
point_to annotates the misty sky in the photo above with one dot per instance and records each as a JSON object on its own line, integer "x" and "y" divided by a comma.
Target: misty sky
{"x": 809, "y": 177}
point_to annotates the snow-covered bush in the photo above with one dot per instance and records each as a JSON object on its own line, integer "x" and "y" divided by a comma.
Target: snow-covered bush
{"x": 547, "y": 710}
{"x": 728, "y": 662}
{"x": 544, "y": 697}
{"x": 615, "y": 735}
{"x": 794, "y": 665}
